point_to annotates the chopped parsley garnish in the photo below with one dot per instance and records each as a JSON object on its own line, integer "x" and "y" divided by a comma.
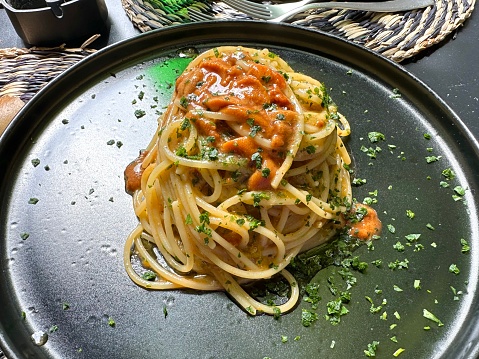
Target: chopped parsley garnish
{"x": 359, "y": 181}
{"x": 376, "y": 137}
{"x": 184, "y": 102}
{"x": 336, "y": 309}
{"x": 371, "y": 350}
{"x": 397, "y": 264}
{"x": 185, "y": 124}
{"x": 33, "y": 200}
{"x": 431, "y": 159}
{"x": 417, "y": 284}
{"x": 35, "y": 162}
{"x": 465, "y": 248}
{"x": 258, "y": 197}
{"x": 203, "y": 228}
{"x": 396, "y": 93}
{"x": 111, "y": 322}
{"x": 139, "y": 113}
{"x": 310, "y": 149}
{"x": 257, "y": 159}
{"x": 149, "y": 275}
{"x": 410, "y": 214}
{"x": 312, "y": 294}
{"x": 427, "y": 314}
{"x": 399, "y": 246}
{"x": 398, "y": 352}
{"x": 448, "y": 174}
{"x": 308, "y": 317}
{"x": 453, "y": 268}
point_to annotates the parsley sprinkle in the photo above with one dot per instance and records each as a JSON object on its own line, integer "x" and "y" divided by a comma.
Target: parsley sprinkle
{"x": 465, "y": 248}
{"x": 139, "y": 113}
{"x": 35, "y": 162}
{"x": 33, "y": 200}
{"x": 111, "y": 322}
{"x": 398, "y": 352}
{"x": 454, "y": 269}
{"x": 427, "y": 314}
{"x": 376, "y": 137}
{"x": 372, "y": 347}
{"x": 308, "y": 317}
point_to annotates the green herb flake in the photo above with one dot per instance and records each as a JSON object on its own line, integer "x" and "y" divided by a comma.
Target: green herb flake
{"x": 465, "y": 248}
{"x": 399, "y": 246}
{"x": 24, "y": 236}
{"x": 396, "y": 288}
{"x": 149, "y": 275}
{"x": 454, "y": 269}
{"x": 35, "y": 162}
{"x": 165, "y": 311}
{"x": 371, "y": 350}
{"x": 308, "y": 317}
{"x": 139, "y": 113}
{"x": 284, "y": 339}
{"x": 398, "y": 352}
{"x": 427, "y": 136}
{"x": 428, "y": 315}
{"x": 312, "y": 294}
{"x": 410, "y": 214}
{"x": 376, "y": 137}
{"x": 33, "y": 200}
{"x": 111, "y": 322}
{"x": 459, "y": 191}
{"x": 53, "y": 328}
{"x": 449, "y": 174}
{"x": 431, "y": 159}
{"x": 417, "y": 284}
{"x": 391, "y": 228}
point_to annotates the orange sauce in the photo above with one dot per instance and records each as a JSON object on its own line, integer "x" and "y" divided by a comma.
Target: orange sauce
{"x": 254, "y": 96}
{"x": 368, "y": 227}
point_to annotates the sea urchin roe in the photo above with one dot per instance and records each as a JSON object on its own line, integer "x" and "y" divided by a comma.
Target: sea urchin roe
{"x": 367, "y": 226}
{"x": 133, "y": 173}
{"x": 255, "y": 118}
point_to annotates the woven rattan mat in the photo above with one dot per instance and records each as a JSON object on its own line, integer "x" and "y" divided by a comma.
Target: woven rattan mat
{"x": 395, "y": 35}
{"x": 25, "y": 71}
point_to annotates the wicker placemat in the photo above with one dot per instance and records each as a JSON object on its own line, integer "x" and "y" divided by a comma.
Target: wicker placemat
{"x": 23, "y": 72}
{"x": 396, "y": 35}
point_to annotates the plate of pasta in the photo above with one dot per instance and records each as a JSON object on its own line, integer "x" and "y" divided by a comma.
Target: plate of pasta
{"x": 201, "y": 192}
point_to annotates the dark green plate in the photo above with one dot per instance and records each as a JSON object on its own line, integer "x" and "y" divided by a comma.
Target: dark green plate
{"x": 67, "y": 278}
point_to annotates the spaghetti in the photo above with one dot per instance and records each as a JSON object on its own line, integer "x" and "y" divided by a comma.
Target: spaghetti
{"x": 246, "y": 170}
